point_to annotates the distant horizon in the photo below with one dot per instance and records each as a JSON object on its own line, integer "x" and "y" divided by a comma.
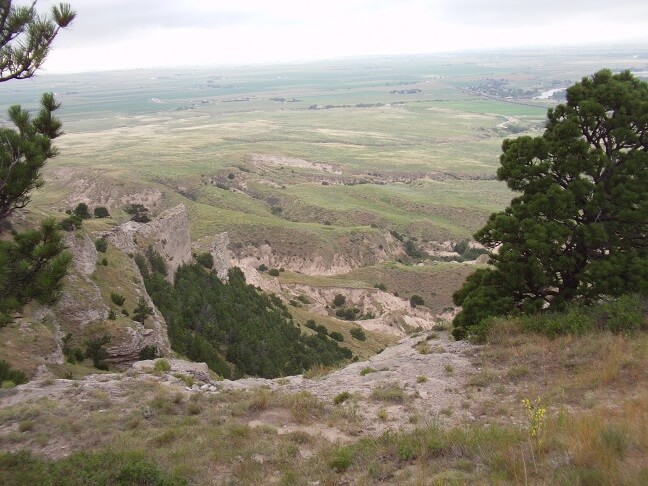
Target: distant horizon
{"x": 630, "y": 45}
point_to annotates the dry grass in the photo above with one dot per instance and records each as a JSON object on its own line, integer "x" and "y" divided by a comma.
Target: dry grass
{"x": 595, "y": 430}
{"x": 577, "y": 443}
{"x": 598, "y": 366}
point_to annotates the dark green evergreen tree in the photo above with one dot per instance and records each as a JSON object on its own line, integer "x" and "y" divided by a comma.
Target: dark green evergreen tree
{"x": 234, "y": 328}
{"x": 142, "y": 311}
{"x": 101, "y": 212}
{"x": 579, "y": 229}
{"x": 33, "y": 264}
{"x": 82, "y": 211}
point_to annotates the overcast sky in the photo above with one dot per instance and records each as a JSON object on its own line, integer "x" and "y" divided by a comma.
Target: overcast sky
{"x": 117, "y": 34}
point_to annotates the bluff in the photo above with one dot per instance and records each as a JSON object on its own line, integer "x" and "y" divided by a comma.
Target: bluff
{"x": 37, "y": 340}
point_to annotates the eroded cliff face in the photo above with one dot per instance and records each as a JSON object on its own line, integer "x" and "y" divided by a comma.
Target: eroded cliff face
{"x": 392, "y": 315}
{"x": 81, "y": 301}
{"x": 36, "y": 339}
{"x": 218, "y": 247}
{"x": 349, "y": 253}
{"x": 168, "y": 235}
{"x": 83, "y": 307}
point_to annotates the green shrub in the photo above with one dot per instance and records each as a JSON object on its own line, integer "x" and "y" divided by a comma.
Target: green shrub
{"x": 311, "y": 324}
{"x": 6, "y": 384}
{"x": 125, "y": 312}
{"x": 337, "y": 336}
{"x": 465, "y": 252}
{"x": 142, "y": 264}
{"x": 138, "y": 213}
{"x": 101, "y": 212}
{"x": 205, "y": 259}
{"x": 162, "y": 365}
{"x": 342, "y": 458}
{"x": 101, "y": 467}
{"x": 623, "y": 314}
{"x": 322, "y": 330}
{"x": 7, "y": 373}
{"x": 262, "y": 268}
{"x": 389, "y": 392}
{"x": 25, "y": 425}
{"x": 348, "y": 354}
{"x": 71, "y": 223}
{"x": 82, "y": 211}
{"x": 117, "y": 299}
{"x": 101, "y": 245}
{"x": 142, "y": 311}
{"x": 194, "y": 408}
{"x": 615, "y": 439}
{"x": 96, "y": 352}
{"x": 339, "y": 300}
{"x": 112, "y": 315}
{"x": 341, "y": 397}
{"x": 188, "y": 380}
{"x": 416, "y": 300}
{"x": 460, "y": 246}
{"x": 158, "y": 265}
{"x": 347, "y": 313}
{"x": 473, "y": 253}
{"x": 273, "y": 272}
{"x": 72, "y": 354}
{"x": 149, "y": 352}
{"x": 358, "y": 333}
{"x": 412, "y": 250}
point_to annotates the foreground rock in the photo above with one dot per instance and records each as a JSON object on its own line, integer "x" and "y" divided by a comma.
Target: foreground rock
{"x": 422, "y": 375}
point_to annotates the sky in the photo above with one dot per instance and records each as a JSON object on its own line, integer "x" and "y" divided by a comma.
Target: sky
{"x": 127, "y": 34}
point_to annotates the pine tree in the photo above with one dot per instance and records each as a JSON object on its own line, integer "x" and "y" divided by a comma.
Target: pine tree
{"x": 142, "y": 311}
{"x": 33, "y": 264}
{"x": 579, "y": 229}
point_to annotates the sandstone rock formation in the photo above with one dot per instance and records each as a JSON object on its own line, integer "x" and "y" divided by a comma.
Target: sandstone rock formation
{"x": 316, "y": 260}
{"x": 218, "y": 247}
{"x": 81, "y": 301}
{"x": 82, "y": 304}
{"x": 168, "y": 235}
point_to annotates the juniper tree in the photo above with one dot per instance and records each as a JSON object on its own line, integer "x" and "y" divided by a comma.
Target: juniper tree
{"x": 34, "y": 262}
{"x": 578, "y": 231}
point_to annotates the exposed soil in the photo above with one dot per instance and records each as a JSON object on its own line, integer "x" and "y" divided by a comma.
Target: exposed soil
{"x": 265, "y": 160}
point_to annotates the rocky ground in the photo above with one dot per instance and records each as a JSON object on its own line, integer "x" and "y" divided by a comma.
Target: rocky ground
{"x": 422, "y": 376}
